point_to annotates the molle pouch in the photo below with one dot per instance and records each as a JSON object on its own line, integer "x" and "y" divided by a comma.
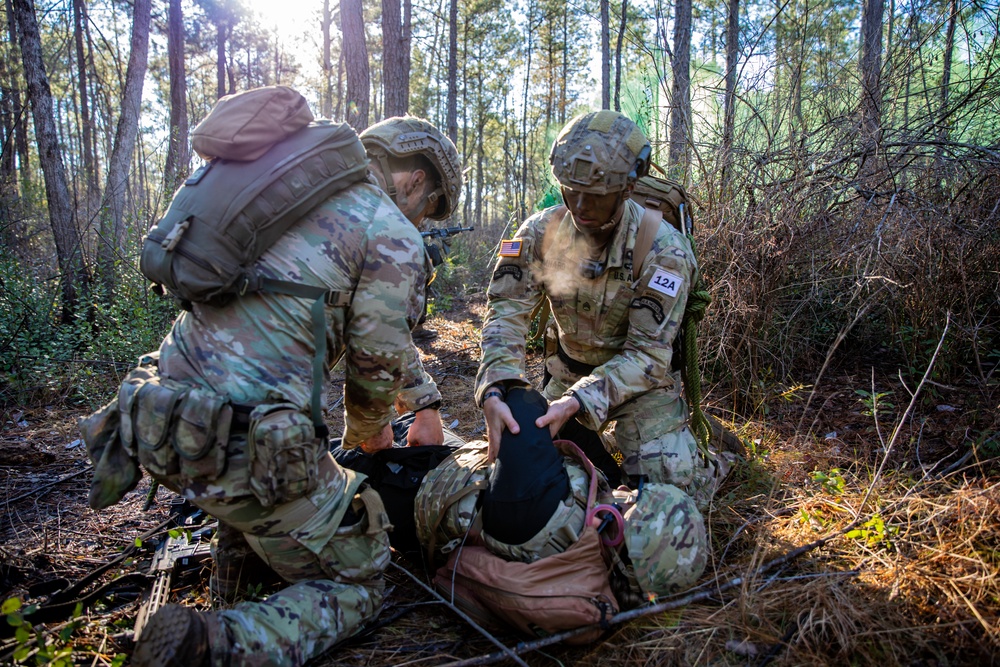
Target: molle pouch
{"x": 201, "y": 431}
{"x": 284, "y": 453}
{"x": 153, "y": 412}
{"x": 129, "y": 389}
{"x": 115, "y": 469}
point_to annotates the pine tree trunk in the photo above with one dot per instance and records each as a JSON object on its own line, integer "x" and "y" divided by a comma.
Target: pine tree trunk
{"x": 396, "y": 88}
{"x": 74, "y": 278}
{"x": 452, "y": 118}
{"x": 618, "y": 57}
{"x": 605, "y": 55}
{"x": 86, "y": 121}
{"x": 18, "y": 111}
{"x": 113, "y": 245}
{"x": 680, "y": 103}
{"x": 352, "y": 26}
{"x": 871, "y": 66}
{"x": 949, "y": 47}
{"x": 326, "y": 104}
{"x": 729, "y": 103}
{"x": 178, "y": 150}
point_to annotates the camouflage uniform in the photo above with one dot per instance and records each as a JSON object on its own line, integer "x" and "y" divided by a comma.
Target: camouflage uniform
{"x": 618, "y": 328}
{"x": 258, "y": 350}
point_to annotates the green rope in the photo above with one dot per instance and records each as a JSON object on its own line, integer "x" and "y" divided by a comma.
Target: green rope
{"x": 694, "y": 312}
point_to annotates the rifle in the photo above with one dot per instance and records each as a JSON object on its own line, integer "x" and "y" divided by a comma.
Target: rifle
{"x": 433, "y": 251}
{"x": 445, "y": 232}
{"x": 180, "y": 548}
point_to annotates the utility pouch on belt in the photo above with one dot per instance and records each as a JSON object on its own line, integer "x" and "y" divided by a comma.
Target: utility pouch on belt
{"x": 153, "y": 409}
{"x": 115, "y": 469}
{"x": 201, "y": 433}
{"x": 172, "y": 427}
{"x": 284, "y": 453}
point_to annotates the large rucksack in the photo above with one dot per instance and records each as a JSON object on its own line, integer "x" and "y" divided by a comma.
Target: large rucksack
{"x": 268, "y": 165}
{"x": 666, "y": 196}
{"x": 238, "y": 204}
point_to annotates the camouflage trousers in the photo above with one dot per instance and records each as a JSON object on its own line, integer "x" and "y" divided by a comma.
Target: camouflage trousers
{"x": 651, "y": 433}
{"x": 335, "y": 566}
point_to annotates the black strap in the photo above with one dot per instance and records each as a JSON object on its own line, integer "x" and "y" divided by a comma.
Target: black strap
{"x": 574, "y": 366}
{"x": 322, "y": 297}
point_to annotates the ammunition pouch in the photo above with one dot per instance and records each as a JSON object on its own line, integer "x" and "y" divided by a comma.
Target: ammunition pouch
{"x": 178, "y": 429}
{"x": 284, "y": 452}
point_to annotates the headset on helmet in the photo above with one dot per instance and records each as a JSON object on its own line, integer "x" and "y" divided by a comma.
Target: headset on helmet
{"x": 665, "y": 539}
{"x": 403, "y": 136}
{"x": 600, "y": 153}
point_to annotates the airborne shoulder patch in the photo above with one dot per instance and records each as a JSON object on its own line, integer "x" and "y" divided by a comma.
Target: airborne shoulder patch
{"x": 510, "y": 248}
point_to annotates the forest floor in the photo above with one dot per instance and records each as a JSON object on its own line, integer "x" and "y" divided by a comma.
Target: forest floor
{"x": 914, "y": 582}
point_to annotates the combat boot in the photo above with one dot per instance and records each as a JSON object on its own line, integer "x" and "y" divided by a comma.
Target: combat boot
{"x": 238, "y": 569}
{"x": 175, "y": 636}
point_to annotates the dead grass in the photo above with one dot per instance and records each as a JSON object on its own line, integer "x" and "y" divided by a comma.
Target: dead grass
{"x": 919, "y": 588}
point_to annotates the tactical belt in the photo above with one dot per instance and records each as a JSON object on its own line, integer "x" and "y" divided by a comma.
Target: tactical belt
{"x": 574, "y": 366}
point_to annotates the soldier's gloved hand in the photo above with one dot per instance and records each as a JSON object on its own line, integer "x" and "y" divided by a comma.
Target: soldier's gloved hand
{"x": 559, "y": 412}
{"x": 426, "y": 429}
{"x": 382, "y": 440}
{"x": 498, "y": 417}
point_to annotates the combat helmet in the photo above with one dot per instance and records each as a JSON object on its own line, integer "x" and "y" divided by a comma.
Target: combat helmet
{"x": 599, "y": 153}
{"x": 445, "y": 506}
{"x": 403, "y": 136}
{"x": 665, "y": 540}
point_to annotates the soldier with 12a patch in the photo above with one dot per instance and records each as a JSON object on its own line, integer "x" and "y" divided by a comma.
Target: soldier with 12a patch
{"x": 609, "y": 378}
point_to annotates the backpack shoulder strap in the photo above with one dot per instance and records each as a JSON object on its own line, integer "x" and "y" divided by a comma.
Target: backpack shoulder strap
{"x": 648, "y": 227}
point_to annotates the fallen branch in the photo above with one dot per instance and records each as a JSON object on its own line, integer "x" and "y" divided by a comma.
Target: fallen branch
{"x": 505, "y": 651}
{"x": 49, "y": 485}
{"x": 683, "y": 601}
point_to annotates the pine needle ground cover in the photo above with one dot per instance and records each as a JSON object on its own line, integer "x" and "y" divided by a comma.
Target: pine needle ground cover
{"x": 899, "y": 520}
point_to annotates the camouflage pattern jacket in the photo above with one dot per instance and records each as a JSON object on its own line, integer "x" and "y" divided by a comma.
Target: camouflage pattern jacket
{"x": 259, "y": 348}
{"x": 623, "y": 327}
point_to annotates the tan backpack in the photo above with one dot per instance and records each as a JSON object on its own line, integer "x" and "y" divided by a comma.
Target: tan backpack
{"x": 559, "y": 592}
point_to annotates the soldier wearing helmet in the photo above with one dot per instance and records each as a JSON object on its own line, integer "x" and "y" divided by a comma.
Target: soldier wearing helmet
{"x": 419, "y": 168}
{"x": 609, "y": 380}
{"x": 416, "y": 165}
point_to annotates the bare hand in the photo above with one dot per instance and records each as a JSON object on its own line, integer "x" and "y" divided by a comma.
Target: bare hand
{"x": 498, "y": 417}
{"x": 426, "y": 429}
{"x": 558, "y": 414}
{"x": 382, "y": 440}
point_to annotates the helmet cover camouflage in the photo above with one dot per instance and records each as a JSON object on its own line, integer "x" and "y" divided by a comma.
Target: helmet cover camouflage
{"x": 599, "y": 153}
{"x": 666, "y": 540}
{"x": 445, "y": 505}
{"x": 403, "y": 136}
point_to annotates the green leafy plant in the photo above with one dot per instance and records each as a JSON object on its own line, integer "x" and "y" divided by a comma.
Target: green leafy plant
{"x": 832, "y": 482}
{"x": 876, "y": 404}
{"x": 874, "y": 532}
{"x": 36, "y": 647}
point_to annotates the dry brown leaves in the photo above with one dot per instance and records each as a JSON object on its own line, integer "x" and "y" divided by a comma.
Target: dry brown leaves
{"x": 917, "y": 584}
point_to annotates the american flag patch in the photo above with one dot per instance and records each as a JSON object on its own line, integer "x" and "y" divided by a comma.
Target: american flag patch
{"x": 510, "y": 248}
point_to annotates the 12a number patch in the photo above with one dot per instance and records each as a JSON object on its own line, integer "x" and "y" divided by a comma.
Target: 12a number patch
{"x": 666, "y": 282}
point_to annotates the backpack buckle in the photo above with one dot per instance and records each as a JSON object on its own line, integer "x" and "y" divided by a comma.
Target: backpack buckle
{"x": 337, "y": 299}
{"x": 171, "y": 240}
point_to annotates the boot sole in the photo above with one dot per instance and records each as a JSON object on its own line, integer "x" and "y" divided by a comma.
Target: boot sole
{"x": 167, "y": 640}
